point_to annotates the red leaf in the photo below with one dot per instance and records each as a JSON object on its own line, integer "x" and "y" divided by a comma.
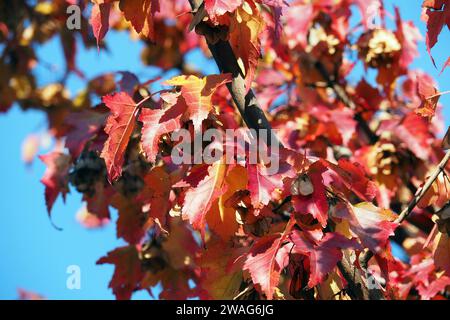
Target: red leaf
{"x": 245, "y": 29}
{"x": 83, "y": 126}
{"x": 198, "y": 200}
{"x": 220, "y": 7}
{"x": 372, "y": 225}
{"x": 429, "y": 97}
{"x": 435, "y": 287}
{"x": 261, "y": 185}
{"x": 157, "y": 122}
{"x": 127, "y": 273}
{"x": 313, "y": 202}
{"x": 56, "y": 177}
{"x": 131, "y": 219}
{"x": 265, "y": 261}
{"x": 141, "y": 13}
{"x": 98, "y": 203}
{"x": 354, "y": 178}
{"x": 436, "y": 15}
{"x": 413, "y": 131}
{"x": 369, "y": 10}
{"x": 323, "y": 254}
{"x": 156, "y": 193}
{"x": 100, "y": 20}
{"x": 119, "y": 127}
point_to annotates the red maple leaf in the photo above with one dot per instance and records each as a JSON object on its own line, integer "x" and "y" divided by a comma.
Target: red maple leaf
{"x": 127, "y": 272}
{"x": 100, "y": 20}
{"x": 56, "y": 177}
{"x": 119, "y": 127}
{"x": 323, "y": 254}
{"x": 436, "y": 15}
{"x": 266, "y": 260}
{"x": 157, "y": 122}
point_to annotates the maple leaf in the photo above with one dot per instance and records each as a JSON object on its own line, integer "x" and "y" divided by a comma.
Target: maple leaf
{"x": 438, "y": 194}
{"x": 245, "y": 29}
{"x": 156, "y": 193}
{"x": 127, "y": 272}
{"x": 197, "y": 93}
{"x": 323, "y": 254}
{"x": 219, "y": 281}
{"x": 56, "y": 177}
{"x": 413, "y": 131}
{"x": 436, "y": 15}
{"x": 353, "y": 176}
{"x": 100, "y": 20}
{"x": 140, "y": 13}
{"x": 310, "y": 198}
{"x": 441, "y": 252}
{"x": 222, "y": 218}
{"x": 266, "y": 260}
{"x": 131, "y": 219}
{"x": 157, "y": 122}
{"x": 198, "y": 200}
{"x": 83, "y": 126}
{"x": 373, "y": 226}
{"x": 261, "y": 185}
{"x": 298, "y": 21}
{"x": 429, "y": 97}
{"x": 432, "y": 289}
{"x": 119, "y": 127}
{"x": 220, "y": 7}
{"x": 98, "y": 203}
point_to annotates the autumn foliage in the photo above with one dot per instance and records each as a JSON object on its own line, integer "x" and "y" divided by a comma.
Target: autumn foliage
{"x": 354, "y": 151}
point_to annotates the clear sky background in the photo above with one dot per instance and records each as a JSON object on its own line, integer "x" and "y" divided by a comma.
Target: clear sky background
{"x": 33, "y": 255}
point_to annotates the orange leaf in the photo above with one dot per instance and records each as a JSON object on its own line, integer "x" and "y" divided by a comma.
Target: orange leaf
{"x": 197, "y": 93}
{"x": 222, "y": 219}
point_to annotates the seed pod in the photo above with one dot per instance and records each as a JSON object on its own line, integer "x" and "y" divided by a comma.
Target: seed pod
{"x": 302, "y": 186}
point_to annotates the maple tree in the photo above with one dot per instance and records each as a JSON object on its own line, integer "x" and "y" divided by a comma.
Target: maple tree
{"x": 361, "y": 164}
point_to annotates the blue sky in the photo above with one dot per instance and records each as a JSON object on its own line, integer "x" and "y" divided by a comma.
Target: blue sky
{"x": 34, "y": 255}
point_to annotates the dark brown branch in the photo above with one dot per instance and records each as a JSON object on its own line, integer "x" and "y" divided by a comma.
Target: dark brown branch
{"x": 364, "y": 259}
{"x": 246, "y": 102}
{"x": 357, "y": 284}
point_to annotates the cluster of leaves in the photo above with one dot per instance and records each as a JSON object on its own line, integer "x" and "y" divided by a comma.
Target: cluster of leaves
{"x": 353, "y": 153}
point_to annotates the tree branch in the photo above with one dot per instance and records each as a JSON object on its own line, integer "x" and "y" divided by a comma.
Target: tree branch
{"x": 364, "y": 259}
{"x": 246, "y": 103}
{"x": 357, "y": 285}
